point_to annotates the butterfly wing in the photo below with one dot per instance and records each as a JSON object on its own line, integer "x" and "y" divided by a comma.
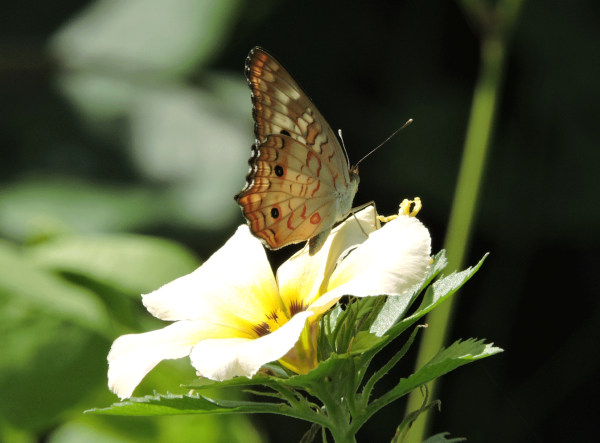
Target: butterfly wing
{"x": 282, "y": 107}
{"x": 299, "y": 173}
{"x": 291, "y": 193}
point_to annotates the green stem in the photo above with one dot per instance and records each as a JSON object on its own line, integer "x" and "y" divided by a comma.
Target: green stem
{"x": 478, "y": 140}
{"x": 351, "y": 388}
{"x": 339, "y": 424}
{"x": 338, "y": 417}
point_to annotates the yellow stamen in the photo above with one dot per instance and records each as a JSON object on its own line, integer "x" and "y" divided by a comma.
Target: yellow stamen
{"x": 404, "y": 210}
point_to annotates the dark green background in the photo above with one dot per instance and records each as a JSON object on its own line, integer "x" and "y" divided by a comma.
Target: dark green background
{"x": 369, "y": 66}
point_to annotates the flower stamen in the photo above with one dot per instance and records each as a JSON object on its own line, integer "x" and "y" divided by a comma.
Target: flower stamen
{"x": 404, "y": 210}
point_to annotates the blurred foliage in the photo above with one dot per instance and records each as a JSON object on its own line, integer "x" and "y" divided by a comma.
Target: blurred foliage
{"x": 123, "y": 121}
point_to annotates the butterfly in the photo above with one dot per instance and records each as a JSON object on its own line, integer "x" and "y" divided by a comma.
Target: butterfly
{"x": 300, "y": 181}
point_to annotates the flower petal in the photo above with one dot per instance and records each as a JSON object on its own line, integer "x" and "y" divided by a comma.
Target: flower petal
{"x": 301, "y": 277}
{"x": 132, "y": 356}
{"x": 390, "y": 262}
{"x": 226, "y": 358}
{"x": 235, "y": 286}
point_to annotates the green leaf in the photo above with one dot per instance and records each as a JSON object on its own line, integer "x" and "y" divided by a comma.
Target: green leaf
{"x": 327, "y": 370}
{"x": 436, "y": 294}
{"x": 369, "y": 309}
{"x": 458, "y": 354}
{"x": 326, "y": 342}
{"x": 258, "y": 379}
{"x": 409, "y": 419}
{"x": 170, "y": 404}
{"x": 441, "y": 438}
{"x": 90, "y": 428}
{"x": 160, "y": 39}
{"x": 364, "y": 341}
{"x": 132, "y": 264}
{"x": 48, "y": 206}
{"x": 332, "y": 317}
{"x": 22, "y": 282}
{"x": 48, "y": 367}
{"x": 396, "y": 306}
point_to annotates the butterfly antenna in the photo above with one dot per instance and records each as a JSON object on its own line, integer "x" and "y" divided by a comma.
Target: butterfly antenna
{"x": 344, "y": 146}
{"x": 410, "y": 120}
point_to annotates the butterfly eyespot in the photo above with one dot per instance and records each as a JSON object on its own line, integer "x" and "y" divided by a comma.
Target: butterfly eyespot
{"x": 284, "y": 132}
{"x": 279, "y": 171}
{"x": 275, "y": 213}
{"x": 316, "y": 218}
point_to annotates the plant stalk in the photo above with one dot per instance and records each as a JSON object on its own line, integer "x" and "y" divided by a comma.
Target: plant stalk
{"x": 477, "y": 142}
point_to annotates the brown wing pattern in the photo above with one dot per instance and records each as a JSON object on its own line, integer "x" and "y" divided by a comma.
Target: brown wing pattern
{"x": 299, "y": 177}
{"x": 289, "y": 194}
{"x": 282, "y": 107}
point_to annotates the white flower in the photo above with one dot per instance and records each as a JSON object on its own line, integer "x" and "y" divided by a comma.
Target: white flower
{"x": 232, "y": 316}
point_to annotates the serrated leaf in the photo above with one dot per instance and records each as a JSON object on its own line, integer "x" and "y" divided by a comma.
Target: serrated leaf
{"x": 395, "y": 307}
{"x": 20, "y": 279}
{"x": 133, "y": 264}
{"x": 170, "y": 404}
{"x": 441, "y": 438}
{"x": 458, "y": 354}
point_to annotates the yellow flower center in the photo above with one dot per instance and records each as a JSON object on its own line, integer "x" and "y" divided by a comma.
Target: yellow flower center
{"x": 272, "y": 322}
{"x": 276, "y": 319}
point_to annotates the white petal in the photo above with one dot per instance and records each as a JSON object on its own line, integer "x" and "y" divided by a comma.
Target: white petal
{"x": 301, "y": 277}
{"x": 391, "y": 261}
{"x": 234, "y": 283}
{"x": 132, "y": 356}
{"x": 223, "y": 359}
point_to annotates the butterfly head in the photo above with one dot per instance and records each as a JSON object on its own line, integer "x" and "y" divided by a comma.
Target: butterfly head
{"x": 354, "y": 174}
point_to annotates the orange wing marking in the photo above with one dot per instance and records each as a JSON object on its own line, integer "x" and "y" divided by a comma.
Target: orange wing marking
{"x": 315, "y": 219}
{"x": 316, "y": 189}
{"x": 289, "y": 222}
{"x": 303, "y": 190}
{"x": 308, "y": 157}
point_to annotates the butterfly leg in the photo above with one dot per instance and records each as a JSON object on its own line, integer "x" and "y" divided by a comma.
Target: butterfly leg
{"x": 375, "y": 219}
